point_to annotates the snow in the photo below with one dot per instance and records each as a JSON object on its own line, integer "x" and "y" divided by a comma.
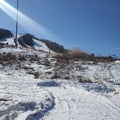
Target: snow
{"x": 117, "y": 62}
{"x": 74, "y": 104}
{"x": 22, "y": 97}
{"x": 38, "y": 45}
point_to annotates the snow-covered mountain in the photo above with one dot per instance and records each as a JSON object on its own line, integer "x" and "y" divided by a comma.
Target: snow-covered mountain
{"x": 29, "y": 41}
{"x": 26, "y": 42}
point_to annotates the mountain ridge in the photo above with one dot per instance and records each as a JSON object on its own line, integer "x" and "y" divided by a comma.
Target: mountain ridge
{"x": 30, "y": 41}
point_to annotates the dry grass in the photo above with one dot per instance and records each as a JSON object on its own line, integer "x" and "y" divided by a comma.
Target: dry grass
{"x": 76, "y": 53}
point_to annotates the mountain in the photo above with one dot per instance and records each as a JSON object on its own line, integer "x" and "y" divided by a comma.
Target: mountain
{"x": 30, "y": 41}
{"x": 5, "y": 34}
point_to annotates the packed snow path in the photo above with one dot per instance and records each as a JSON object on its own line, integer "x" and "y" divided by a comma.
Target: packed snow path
{"x": 78, "y": 104}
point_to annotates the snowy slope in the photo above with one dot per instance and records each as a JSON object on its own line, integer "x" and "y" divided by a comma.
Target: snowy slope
{"x": 38, "y": 45}
{"x": 9, "y": 40}
{"x": 25, "y": 96}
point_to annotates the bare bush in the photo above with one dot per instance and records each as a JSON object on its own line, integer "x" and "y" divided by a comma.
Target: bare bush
{"x": 75, "y": 53}
{"x": 79, "y": 54}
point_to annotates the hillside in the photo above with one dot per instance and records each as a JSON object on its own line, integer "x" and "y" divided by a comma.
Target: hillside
{"x": 35, "y": 87}
{"x": 54, "y": 46}
{"x": 30, "y": 41}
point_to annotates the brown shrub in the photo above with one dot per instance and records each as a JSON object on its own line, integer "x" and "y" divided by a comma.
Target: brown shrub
{"x": 76, "y": 54}
{"x": 79, "y": 54}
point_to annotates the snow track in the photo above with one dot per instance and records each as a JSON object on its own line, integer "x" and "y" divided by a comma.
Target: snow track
{"x": 79, "y": 104}
{"x": 51, "y": 100}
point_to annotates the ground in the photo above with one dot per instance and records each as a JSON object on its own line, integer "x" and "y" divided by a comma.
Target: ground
{"x": 92, "y": 92}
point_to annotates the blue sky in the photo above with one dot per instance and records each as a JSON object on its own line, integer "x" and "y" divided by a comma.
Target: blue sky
{"x": 91, "y": 25}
